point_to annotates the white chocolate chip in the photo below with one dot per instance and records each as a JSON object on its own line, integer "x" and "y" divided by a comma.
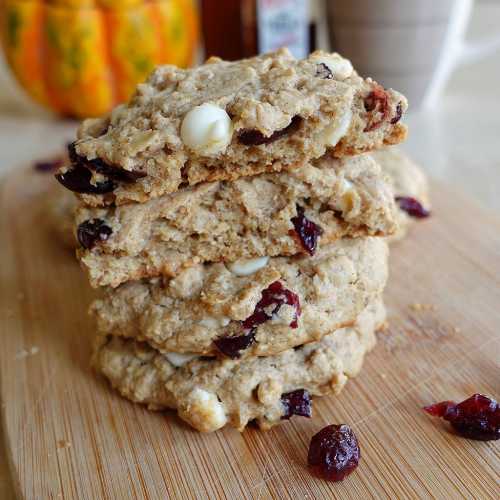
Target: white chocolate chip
{"x": 206, "y": 129}
{"x": 246, "y": 267}
{"x": 211, "y": 322}
{"x": 340, "y": 67}
{"x": 203, "y": 410}
{"x": 179, "y": 359}
{"x": 334, "y": 132}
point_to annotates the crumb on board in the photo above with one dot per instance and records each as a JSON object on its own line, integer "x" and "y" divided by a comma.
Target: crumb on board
{"x": 417, "y": 306}
{"x": 63, "y": 443}
{"x": 24, "y": 353}
{"x": 20, "y": 296}
{"x": 383, "y": 327}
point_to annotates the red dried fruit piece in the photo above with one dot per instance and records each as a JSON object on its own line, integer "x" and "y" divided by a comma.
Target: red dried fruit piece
{"x": 92, "y": 231}
{"x": 398, "y": 115}
{"x": 439, "y": 409}
{"x": 48, "y": 165}
{"x": 324, "y": 72}
{"x": 307, "y": 231}
{"x": 377, "y": 103}
{"x": 78, "y": 179}
{"x": 274, "y": 295}
{"x": 412, "y": 207}
{"x": 232, "y": 346}
{"x": 478, "y": 417}
{"x": 333, "y": 452}
{"x": 256, "y": 138}
{"x": 97, "y": 165}
{"x": 296, "y": 403}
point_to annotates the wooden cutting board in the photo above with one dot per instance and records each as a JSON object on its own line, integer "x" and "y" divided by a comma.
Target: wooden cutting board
{"x": 69, "y": 436}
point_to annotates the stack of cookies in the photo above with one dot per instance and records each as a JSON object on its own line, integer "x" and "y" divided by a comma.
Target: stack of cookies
{"x": 238, "y": 232}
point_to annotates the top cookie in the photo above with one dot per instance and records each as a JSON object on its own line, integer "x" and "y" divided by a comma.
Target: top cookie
{"x": 225, "y": 120}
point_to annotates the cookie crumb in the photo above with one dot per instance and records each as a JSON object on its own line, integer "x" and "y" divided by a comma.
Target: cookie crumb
{"x": 24, "y": 353}
{"x": 20, "y": 296}
{"x": 383, "y": 327}
{"x": 417, "y": 306}
{"x": 63, "y": 443}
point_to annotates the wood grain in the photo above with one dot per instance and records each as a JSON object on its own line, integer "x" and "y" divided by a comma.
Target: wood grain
{"x": 69, "y": 436}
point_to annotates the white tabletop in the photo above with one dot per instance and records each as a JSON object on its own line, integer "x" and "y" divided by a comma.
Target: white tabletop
{"x": 457, "y": 142}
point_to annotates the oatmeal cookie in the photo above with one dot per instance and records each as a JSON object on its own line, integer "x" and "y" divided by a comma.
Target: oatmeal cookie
{"x": 211, "y": 393}
{"x": 267, "y": 215}
{"x": 226, "y": 120}
{"x": 253, "y": 309}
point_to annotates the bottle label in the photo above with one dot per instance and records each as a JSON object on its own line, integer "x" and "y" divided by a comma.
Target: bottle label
{"x": 283, "y": 23}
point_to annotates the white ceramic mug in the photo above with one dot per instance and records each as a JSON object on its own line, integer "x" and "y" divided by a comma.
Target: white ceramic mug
{"x": 410, "y": 45}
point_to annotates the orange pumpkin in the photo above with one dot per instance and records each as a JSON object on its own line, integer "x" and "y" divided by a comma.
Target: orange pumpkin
{"x": 82, "y": 57}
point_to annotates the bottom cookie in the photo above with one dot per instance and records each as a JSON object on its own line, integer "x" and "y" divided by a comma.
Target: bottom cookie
{"x": 209, "y": 393}
{"x": 408, "y": 181}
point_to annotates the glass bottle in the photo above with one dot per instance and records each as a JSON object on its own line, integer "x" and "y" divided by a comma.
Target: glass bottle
{"x": 234, "y": 29}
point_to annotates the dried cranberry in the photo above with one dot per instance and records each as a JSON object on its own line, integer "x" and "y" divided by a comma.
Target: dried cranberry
{"x": 273, "y": 297}
{"x": 412, "y": 207}
{"x": 377, "y": 98}
{"x": 307, "y": 231}
{"x": 117, "y": 174}
{"x": 296, "y": 403}
{"x": 398, "y": 115}
{"x": 475, "y": 418}
{"x": 99, "y": 166}
{"x": 334, "y": 452}
{"x": 78, "y": 179}
{"x": 92, "y": 231}
{"x": 256, "y": 138}
{"x": 324, "y": 72}
{"x": 232, "y": 346}
{"x": 74, "y": 157}
{"x": 376, "y": 102}
{"x": 48, "y": 165}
